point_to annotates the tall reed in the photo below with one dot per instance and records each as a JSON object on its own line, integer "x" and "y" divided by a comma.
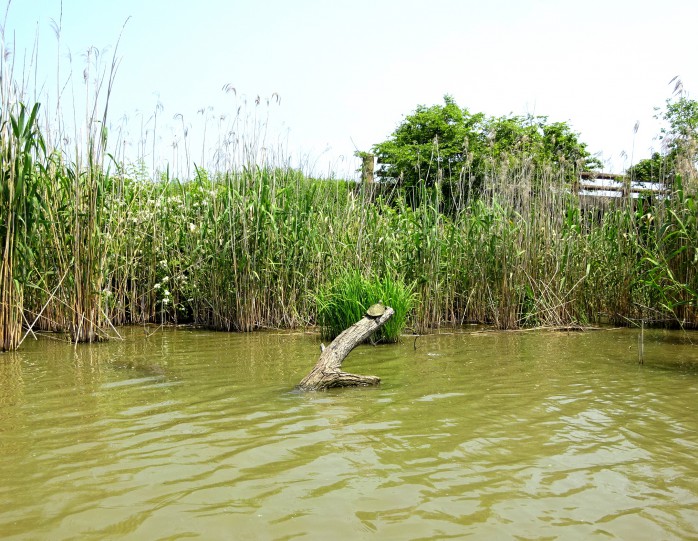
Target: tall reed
{"x": 20, "y": 142}
{"x": 22, "y": 150}
{"x": 90, "y": 241}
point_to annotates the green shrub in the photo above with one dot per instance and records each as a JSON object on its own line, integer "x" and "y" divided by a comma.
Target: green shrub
{"x": 343, "y": 302}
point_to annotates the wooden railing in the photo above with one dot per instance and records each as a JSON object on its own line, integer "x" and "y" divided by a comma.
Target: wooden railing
{"x": 592, "y": 183}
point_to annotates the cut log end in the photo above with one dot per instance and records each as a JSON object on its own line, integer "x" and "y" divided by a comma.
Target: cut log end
{"x": 327, "y": 372}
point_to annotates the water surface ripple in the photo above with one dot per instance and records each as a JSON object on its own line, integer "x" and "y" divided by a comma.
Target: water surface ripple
{"x": 191, "y": 434}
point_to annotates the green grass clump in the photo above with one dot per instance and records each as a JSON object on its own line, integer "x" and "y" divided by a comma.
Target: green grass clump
{"x": 343, "y": 302}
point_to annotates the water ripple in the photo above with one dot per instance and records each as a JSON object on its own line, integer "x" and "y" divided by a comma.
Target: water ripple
{"x": 189, "y": 444}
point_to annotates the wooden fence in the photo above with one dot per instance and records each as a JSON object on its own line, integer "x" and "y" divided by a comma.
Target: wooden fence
{"x": 595, "y": 184}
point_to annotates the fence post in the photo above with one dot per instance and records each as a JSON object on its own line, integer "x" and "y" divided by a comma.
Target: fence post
{"x": 367, "y": 160}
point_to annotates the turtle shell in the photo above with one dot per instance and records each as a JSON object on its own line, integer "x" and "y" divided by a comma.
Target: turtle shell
{"x": 375, "y": 310}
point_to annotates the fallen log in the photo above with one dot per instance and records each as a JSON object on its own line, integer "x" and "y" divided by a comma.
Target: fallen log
{"x": 327, "y": 372}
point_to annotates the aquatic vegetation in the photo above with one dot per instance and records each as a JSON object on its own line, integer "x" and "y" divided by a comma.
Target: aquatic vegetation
{"x": 91, "y": 241}
{"x": 266, "y": 247}
{"x": 345, "y": 301}
{"x": 20, "y": 143}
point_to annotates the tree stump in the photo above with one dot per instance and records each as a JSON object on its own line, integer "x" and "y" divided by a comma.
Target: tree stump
{"x": 327, "y": 372}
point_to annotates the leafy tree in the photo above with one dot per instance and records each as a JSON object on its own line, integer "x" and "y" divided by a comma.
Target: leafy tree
{"x": 680, "y": 141}
{"x": 431, "y": 143}
{"x": 545, "y": 143}
{"x": 658, "y": 168}
{"x": 446, "y": 144}
{"x": 682, "y": 132}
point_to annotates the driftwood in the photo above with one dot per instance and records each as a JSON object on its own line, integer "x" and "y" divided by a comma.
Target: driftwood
{"x": 327, "y": 372}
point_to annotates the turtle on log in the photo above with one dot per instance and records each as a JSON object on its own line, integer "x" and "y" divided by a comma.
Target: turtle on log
{"x": 376, "y": 310}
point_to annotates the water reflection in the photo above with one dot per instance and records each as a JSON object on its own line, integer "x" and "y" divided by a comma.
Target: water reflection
{"x": 195, "y": 434}
{"x": 11, "y": 381}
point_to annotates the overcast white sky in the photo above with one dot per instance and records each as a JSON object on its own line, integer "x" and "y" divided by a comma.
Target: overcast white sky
{"x": 347, "y": 72}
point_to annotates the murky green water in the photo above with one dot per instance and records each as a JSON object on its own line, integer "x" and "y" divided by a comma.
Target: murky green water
{"x": 190, "y": 434}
